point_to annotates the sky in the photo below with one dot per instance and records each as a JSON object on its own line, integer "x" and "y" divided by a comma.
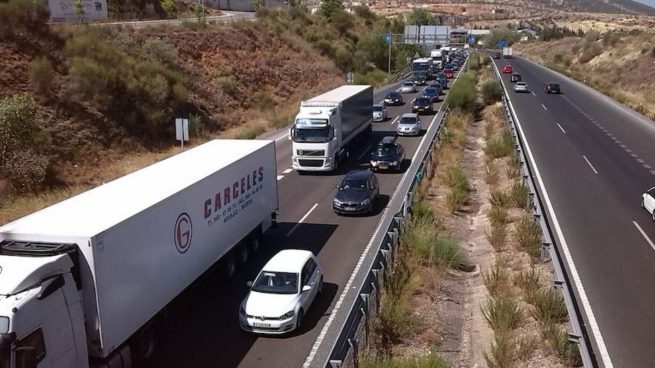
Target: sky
{"x": 647, "y": 2}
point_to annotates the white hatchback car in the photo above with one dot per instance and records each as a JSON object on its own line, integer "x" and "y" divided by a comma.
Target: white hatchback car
{"x": 282, "y": 293}
{"x": 521, "y": 87}
{"x": 648, "y": 201}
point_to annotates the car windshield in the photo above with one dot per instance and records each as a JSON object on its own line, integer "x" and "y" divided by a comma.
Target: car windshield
{"x": 385, "y": 150}
{"x": 430, "y": 91}
{"x": 407, "y": 121}
{"x": 392, "y": 95}
{"x": 377, "y": 108}
{"x": 316, "y": 135}
{"x": 276, "y": 283}
{"x": 554, "y": 85}
{"x": 423, "y": 101}
{"x": 521, "y": 84}
{"x": 354, "y": 184}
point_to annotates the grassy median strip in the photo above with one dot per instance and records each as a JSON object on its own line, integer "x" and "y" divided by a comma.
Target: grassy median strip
{"x": 523, "y": 309}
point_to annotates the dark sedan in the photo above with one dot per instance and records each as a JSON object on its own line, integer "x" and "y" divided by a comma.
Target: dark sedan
{"x": 422, "y": 105}
{"x": 437, "y": 85}
{"x": 552, "y": 88}
{"x": 393, "y": 98}
{"x": 357, "y": 193}
{"x": 432, "y": 93}
{"x": 388, "y": 155}
{"x": 443, "y": 80}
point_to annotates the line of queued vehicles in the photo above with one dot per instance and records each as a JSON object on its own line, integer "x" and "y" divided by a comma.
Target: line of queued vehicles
{"x": 82, "y": 282}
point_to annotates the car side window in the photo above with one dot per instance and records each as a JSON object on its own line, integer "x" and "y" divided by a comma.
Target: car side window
{"x": 30, "y": 350}
{"x": 311, "y": 268}
{"x": 651, "y": 192}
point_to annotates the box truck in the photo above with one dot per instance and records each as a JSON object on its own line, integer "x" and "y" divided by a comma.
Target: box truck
{"x": 507, "y": 52}
{"x": 326, "y": 125}
{"x": 84, "y": 282}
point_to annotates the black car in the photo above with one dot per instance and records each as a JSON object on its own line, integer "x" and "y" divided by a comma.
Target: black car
{"x": 357, "y": 193}
{"x": 516, "y": 77}
{"x": 552, "y": 88}
{"x": 393, "y": 98}
{"x": 496, "y": 55}
{"x": 432, "y": 93}
{"x": 422, "y": 105}
{"x": 389, "y": 155}
{"x": 443, "y": 80}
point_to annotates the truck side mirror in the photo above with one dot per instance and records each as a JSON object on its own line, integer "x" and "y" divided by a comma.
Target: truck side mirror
{"x": 249, "y": 283}
{"x": 291, "y": 133}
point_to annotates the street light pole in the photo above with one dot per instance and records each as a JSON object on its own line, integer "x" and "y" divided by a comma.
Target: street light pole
{"x": 389, "y": 67}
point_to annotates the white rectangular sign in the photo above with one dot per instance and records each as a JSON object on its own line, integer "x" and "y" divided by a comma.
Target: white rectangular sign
{"x": 64, "y": 10}
{"x": 182, "y": 129}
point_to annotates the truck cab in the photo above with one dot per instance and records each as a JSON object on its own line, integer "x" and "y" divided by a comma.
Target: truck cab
{"x": 41, "y": 314}
{"x": 315, "y": 139}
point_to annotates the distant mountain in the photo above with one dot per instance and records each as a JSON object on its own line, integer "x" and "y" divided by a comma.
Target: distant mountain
{"x": 605, "y": 6}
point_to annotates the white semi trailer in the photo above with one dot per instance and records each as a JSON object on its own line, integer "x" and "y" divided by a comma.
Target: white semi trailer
{"x": 83, "y": 283}
{"x": 326, "y": 125}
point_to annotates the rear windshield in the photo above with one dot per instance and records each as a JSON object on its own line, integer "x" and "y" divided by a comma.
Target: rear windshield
{"x": 409, "y": 84}
{"x": 377, "y": 108}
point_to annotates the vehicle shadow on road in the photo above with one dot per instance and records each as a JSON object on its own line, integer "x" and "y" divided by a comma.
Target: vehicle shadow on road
{"x": 318, "y": 310}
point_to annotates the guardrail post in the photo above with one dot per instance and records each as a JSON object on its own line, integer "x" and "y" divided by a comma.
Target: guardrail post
{"x": 374, "y": 291}
{"x": 355, "y": 346}
{"x": 335, "y": 363}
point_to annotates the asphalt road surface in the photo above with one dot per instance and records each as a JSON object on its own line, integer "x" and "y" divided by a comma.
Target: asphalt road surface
{"x": 596, "y": 158}
{"x": 203, "y": 329}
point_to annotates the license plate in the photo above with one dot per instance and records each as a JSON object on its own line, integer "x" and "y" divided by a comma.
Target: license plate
{"x": 384, "y": 167}
{"x": 261, "y": 324}
{"x": 350, "y": 208}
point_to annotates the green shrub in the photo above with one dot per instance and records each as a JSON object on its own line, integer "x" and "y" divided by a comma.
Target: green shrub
{"x": 491, "y": 92}
{"x": 155, "y": 48}
{"x": 23, "y": 15}
{"x": 430, "y": 360}
{"x": 502, "y": 313}
{"x": 499, "y": 198}
{"x": 263, "y": 100}
{"x": 462, "y": 94}
{"x": 496, "y": 279}
{"x": 41, "y": 74}
{"x": 25, "y": 170}
{"x": 548, "y": 305}
{"x": 528, "y": 235}
{"x": 497, "y": 236}
{"x": 375, "y": 77}
{"x": 528, "y": 281}
{"x": 474, "y": 61}
{"x": 168, "y": 6}
{"x": 250, "y": 132}
{"x": 502, "y": 353}
{"x": 18, "y": 127}
{"x": 500, "y": 146}
{"x": 566, "y": 351}
{"x": 519, "y": 195}
{"x": 497, "y": 215}
{"x": 589, "y": 52}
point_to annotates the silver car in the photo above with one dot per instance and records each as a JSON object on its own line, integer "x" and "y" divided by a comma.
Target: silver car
{"x": 379, "y": 112}
{"x": 409, "y": 124}
{"x": 408, "y": 87}
{"x": 521, "y": 87}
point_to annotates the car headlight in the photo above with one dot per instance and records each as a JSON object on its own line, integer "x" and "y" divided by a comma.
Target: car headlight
{"x": 337, "y": 202}
{"x": 394, "y": 163}
{"x": 366, "y": 202}
{"x": 288, "y": 315}
{"x": 374, "y": 163}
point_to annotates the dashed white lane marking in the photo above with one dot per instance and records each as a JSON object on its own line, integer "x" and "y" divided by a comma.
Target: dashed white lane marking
{"x": 652, "y": 172}
{"x": 279, "y": 177}
{"x": 532, "y": 93}
{"x": 641, "y": 161}
{"x": 542, "y": 105}
{"x": 394, "y": 120}
{"x": 647, "y": 166}
{"x": 365, "y": 152}
{"x": 302, "y": 219}
{"x": 590, "y": 165}
{"x": 560, "y": 128}
{"x": 287, "y": 171}
{"x": 643, "y": 233}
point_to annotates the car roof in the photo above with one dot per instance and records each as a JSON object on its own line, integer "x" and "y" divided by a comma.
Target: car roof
{"x": 513, "y": 74}
{"x": 358, "y": 174}
{"x": 430, "y": 89}
{"x": 409, "y": 115}
{"x": 378, "y": 105}
{"x": 553, "y": 84}
{"x": 288, "y": 260}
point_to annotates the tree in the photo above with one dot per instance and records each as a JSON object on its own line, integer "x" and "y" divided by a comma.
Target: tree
{"x": 420, "y": 17}
{"x": 329, "y": 7}
{"x": 510, "y": 36}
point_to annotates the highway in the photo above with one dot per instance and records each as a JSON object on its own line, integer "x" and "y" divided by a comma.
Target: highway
{"x": 203, "y": 329}
{"x": 596, "y": 158}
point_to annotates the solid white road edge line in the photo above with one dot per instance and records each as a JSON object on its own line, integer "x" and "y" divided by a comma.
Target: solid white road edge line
{"x": 593, "y": 324}
{"x": 279, "y": 177}
{"x": 287, "y": 171}
{"x": 643, "y": 233}
{"x": 337, "y": 305}
{"x": 590, "y": 165}
{"x": 560, "y": 128}
{"x": 302, "y": 219}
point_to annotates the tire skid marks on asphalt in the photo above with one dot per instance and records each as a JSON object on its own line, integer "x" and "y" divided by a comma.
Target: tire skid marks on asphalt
{"x": 611, "y": 136}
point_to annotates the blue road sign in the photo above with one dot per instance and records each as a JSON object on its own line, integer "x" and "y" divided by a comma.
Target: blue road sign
{"x": 471, "y": 40}
{"x": 501, "y": 44}
{"x": 387, "y": 37}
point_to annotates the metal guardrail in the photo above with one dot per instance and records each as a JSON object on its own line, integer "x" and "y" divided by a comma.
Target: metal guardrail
{"x": 549, "y": 249}
{"x": 228, "y": 17}
{"x": 340, "y": 345}
{"x": 402, "y": 74}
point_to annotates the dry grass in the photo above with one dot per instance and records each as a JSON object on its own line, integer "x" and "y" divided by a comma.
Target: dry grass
{"x": 497, "y": 278}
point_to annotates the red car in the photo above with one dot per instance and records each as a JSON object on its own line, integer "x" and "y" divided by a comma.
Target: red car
{"x": 507, "y": 69}
{"x": 449, "y": 73}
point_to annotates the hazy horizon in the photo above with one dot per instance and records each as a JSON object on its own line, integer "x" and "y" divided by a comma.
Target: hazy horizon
{"x": 650, "y": 3}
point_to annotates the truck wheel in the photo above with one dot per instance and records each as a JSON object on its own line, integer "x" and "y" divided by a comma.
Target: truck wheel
{"x": 145, "y": 343}
{"x": 255, "y": 243}
{"x": 336, "y": 161}
{"x": 244, "y": 253}
{"x": 231, "y": 266}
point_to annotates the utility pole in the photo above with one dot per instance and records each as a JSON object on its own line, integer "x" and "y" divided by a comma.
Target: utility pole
{"x": 388, "y": 38}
